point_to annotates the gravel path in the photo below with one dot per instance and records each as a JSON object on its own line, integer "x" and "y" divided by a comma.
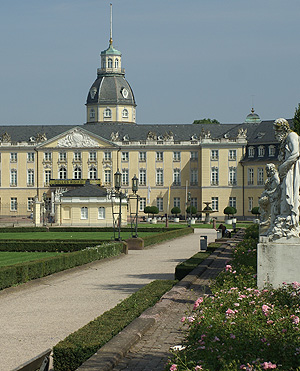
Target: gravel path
{"x": 37, "y": 315}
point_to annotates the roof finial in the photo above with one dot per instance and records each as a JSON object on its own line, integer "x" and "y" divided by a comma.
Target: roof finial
{"x": 110, "y": 39}
{"x": 252, "y": 103}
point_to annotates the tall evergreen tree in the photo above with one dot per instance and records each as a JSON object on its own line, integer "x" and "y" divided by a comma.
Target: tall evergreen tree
{"x": 296, "y": 120}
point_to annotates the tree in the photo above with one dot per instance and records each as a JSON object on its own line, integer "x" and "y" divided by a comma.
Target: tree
{"x": 206, "y": 121}
{"x": 175, "y": 210}
{"x": 147, "y": 210}
{"x": 296, "y": 120}
{"x": 229, "y": 210}
{"x": 154, "y": 210}
{"x": 255, "y": 211}
{"x": 193, "y": 210}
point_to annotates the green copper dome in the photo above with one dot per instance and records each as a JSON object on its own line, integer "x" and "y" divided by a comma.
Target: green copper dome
{"x": 252, "y": 118}
{"x": 111, "y": 51}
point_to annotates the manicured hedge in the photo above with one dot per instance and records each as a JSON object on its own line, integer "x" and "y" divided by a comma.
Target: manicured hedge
{"x": 79, "y": 229}
{"x": 49, "y": 246}
{"x": 23, "y": 272}
{"x": 169, "y": 235}
{"x": 71, "y": 352}
{"x": 184, "y": 268}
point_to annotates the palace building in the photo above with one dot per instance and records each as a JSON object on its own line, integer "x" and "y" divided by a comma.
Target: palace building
{"x": 219, "y": 163}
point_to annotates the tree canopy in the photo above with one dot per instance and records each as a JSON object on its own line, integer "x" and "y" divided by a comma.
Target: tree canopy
{"x": 175, "y": 210}
{"x": 206, "y": 121}
{"x": 296, "y": 120}
{"x": 230, "y": 210}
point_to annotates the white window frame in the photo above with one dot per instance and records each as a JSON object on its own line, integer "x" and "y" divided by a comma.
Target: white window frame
{"x": 142, "y": 156}
{"x": 142, "y": 177}
{"x": 125, "y": 113}
{"x": 159, "y": 156}
{"x": 13, "y": 177}
{"x": 176, "y": 202}
{"x": 177, "y": 156}
{"x": 84, "y": 213}
{"x": 13, "y": 204}
{"x": 107, "y": 176}
{"x": 107, "y": 113}
{"x": 194, "y": 202}
{"x": 109, "y": 63}
{"x": 125, "y": 177}
{"x": 142, "y": 203}
{"x": 260, "y": 176}
{"x": 250, "y": 175}
{"x": 272, "y": 150}
{"x": 232, "y": 202}
{"x": 93, "y": 156}
{"x": 30, "y": 156}
{"x": 101, "y": 212}
{"x": 214, "y": 176}
{"x": 92, "y": 113}
{"x": 159, "y": 179}
{"x": 62, "y": 172}
{"x": 29, "y": 203}
{"x": 125, "y": 156}
{"x": 47, "y": 156}
{"x": 13, "y": 157}
{"x": 251, "y": 151}
{"x": 77, "y": 172}
{"x": 92, "y": 172}
{"x": 47, "y": 176}
{"x": 232, "y": 175}
{"x": 62, "y": 156}
{"x": 194, "y": 156}
{"x": 107, "y": 156}
{"x": 215, "y": 203}
{"x": 177, "y": 177}
{"x": 194, "y": 177}
{"x": 160, "y": 204}
{"x": 77, "y": 156}
{"x": 261, "y": 151}
{"x": 232, "y": 154}
{"x": 214, "y": 154}
{"x": 30, "y": 177}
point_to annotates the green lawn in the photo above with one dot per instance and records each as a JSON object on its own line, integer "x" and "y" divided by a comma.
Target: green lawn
{"x": 11, "y": 258}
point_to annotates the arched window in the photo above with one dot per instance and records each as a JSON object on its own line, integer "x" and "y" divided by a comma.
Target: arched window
{"x": 92, "y": 173}
{"x": 62, "y": 173}
{"x": 116, "y": 63}
{"x": 103, "y": 64}
{"x": 110, "y": 63}
{"x": 125, "y": 113}
{"x": 77, "y": 172}
{"x": 107, "y": 113}
{"x": 84, "y": 213}
{"x": 92, "y": 113}
{"x": 101, "y": 213}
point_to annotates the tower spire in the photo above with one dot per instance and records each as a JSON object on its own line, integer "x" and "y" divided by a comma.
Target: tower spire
{"x": 110, "y": 39}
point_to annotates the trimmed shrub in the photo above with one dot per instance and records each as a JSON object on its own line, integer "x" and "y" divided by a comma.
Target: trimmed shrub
{"x": 151, "y": 240}
{"x": 23, "y": 272}
{"x": 49, "y": 246}
{"x": 175, "y": 210}
{"x": 255, "y": 210}
{"x": 229, "y": 210}
{"x": 184, "y": 268}
{"x": 193, "y": 211}
{"x": 71, "y": 352}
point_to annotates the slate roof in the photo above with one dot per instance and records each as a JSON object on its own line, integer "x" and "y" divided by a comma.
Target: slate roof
{"x": 88, "y": 190}
{"x": 256, "y": 132}
{"x": 109, "y": 89}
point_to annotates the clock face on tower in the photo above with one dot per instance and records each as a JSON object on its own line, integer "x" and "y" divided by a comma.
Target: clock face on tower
{"x": 124, "y": 92}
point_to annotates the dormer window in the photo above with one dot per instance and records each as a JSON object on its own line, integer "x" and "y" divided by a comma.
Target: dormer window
{"x": 107, "y": 113}
{"x": 110, "y": 63}
{"x": 271, "y": 151}
{"x": 261, "y": 151}
{"x": 92, "y": 113}
{"x": 251, "y": 152}
{"x": 125, "y": 113}
{"x": 116, "y": 63}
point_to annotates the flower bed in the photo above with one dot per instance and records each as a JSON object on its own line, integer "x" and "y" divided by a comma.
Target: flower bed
{"x": 239, "y": 327}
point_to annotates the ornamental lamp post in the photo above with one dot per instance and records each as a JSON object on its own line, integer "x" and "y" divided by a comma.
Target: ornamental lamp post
{"x": 44, "y": 207}
{"x": 134, "y": 220}
{"x": 190, "y": 208}
{"x": 117, "y": 178}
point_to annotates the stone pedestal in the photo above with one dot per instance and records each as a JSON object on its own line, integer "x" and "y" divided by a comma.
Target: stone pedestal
{"x": 278, "y": 261}
{"x": 135, "y": 243}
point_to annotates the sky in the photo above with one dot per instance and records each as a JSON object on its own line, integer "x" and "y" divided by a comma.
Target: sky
{"x": 185, "y": 60}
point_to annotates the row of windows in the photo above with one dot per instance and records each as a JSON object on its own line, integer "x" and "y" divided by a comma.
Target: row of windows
{"x": 261, "y": 151}
{"x": 232, "y": 176}
{"x": 110, "y": 63}
{"x": 85, "y": 213}
{"x": 214, "y": 154}
{"x": 260, "y": 176}
{"x": 160, "y": 203}
{"x": 108, "y": 113}
{"x": 14, "y": 203}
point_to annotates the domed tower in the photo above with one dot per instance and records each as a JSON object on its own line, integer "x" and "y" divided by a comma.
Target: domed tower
{"x": 252, "y": 118}
{"x": 110, "y": 98}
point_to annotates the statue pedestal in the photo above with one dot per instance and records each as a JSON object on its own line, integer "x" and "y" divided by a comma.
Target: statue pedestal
{"x": 278, "y": 261}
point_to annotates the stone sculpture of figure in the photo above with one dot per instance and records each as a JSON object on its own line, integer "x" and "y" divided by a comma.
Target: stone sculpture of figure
{"x": 287, "y": 222}
{"x": 269, "y": 202}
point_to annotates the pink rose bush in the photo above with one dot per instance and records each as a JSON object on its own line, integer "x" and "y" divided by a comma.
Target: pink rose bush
{"x": 260, "y": 333}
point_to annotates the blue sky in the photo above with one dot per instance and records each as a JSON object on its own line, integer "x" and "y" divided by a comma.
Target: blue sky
{"x": 184, "y": 60}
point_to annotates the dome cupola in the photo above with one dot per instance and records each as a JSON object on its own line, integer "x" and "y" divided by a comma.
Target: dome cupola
{"x": 252, "y": 118}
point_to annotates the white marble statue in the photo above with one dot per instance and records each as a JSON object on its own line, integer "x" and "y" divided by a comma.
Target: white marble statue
{"x": 285, "y": 203}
